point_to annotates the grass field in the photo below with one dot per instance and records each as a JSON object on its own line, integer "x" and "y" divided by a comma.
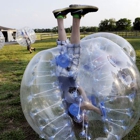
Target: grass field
{"x": 13, "y": 61}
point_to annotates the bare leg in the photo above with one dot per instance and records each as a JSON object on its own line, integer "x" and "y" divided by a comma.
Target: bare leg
{"x": 82, "y": 92}
{"x": 87, "y": 105}
{"x": 75, "y": 35}
{"x": 61, "y": 30}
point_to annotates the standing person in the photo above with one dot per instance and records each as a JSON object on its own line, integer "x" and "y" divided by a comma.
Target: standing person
{"x": 68, "y": 60}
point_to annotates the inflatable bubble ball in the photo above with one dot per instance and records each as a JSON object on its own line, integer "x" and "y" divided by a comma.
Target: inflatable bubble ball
{"x": 25, "y": 36}
{"x": 2, "y": 40}
{"x": 103, "y": 105}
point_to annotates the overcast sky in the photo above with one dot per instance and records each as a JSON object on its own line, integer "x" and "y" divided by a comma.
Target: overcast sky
{"x": 38, "y": 13}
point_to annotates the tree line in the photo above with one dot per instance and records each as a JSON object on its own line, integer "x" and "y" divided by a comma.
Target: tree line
{"x": 122, "y": 24}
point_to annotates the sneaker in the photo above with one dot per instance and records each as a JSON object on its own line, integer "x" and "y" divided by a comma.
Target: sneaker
{"x": 61, "y": 12}
{"x": 82, "y": 9}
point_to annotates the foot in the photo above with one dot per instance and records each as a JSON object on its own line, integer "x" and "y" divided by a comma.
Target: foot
{"x": 61, "y": 12}
{"x": 34, "y": 49}
{"x": 82, "y": 9}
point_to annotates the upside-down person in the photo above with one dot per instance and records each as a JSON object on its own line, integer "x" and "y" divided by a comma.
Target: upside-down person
{"x": 68, "y": 60}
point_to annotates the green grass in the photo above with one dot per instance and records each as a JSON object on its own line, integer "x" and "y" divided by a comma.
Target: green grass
{"x": 136, "y": 44}
{"x": 13, "y": 135}
{"x": 13, "y": 62}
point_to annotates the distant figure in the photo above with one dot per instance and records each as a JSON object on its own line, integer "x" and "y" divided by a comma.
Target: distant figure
{"x": 29, "y": 48}
{"x": 28, "y": 42}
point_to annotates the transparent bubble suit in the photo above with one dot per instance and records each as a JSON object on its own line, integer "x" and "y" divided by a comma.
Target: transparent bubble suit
{"x": 105, "y": 71}
{"x": 124, "y": 44}
{"x": 2, "y": 40}
{"x": 25, "y": 36}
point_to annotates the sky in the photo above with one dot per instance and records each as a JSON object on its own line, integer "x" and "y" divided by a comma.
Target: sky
{"x": 38, "y": 13}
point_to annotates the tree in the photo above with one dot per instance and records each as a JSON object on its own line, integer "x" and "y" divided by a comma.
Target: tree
{"x": 136, "y": 23}
{"x": 94, "y": 29}
{"x": 38, "y": 30}
{"x": 123, "y": 24}
{"x": 54, "y": 29}
{"x": 112, "y": 24}
{"x": 107, "y": 25}
{"x": 68, "y": 30}
{"x": 82, "y": 29}
{"x": 103, "y": 26}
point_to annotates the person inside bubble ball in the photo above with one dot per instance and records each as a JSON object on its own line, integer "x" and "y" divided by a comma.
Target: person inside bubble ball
{"x": 28, "y": 42}
{"x": 29, "y": 48}
{"x": 68, "y": 60}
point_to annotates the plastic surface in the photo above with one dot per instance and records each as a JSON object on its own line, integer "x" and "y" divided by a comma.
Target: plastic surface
{"x": 2, "y": 40}
{"x": 25, "y": 36}
{"x": 63, "y": 60}
{"x": 124, "y": 44}
{"x": 108, "y": 76}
